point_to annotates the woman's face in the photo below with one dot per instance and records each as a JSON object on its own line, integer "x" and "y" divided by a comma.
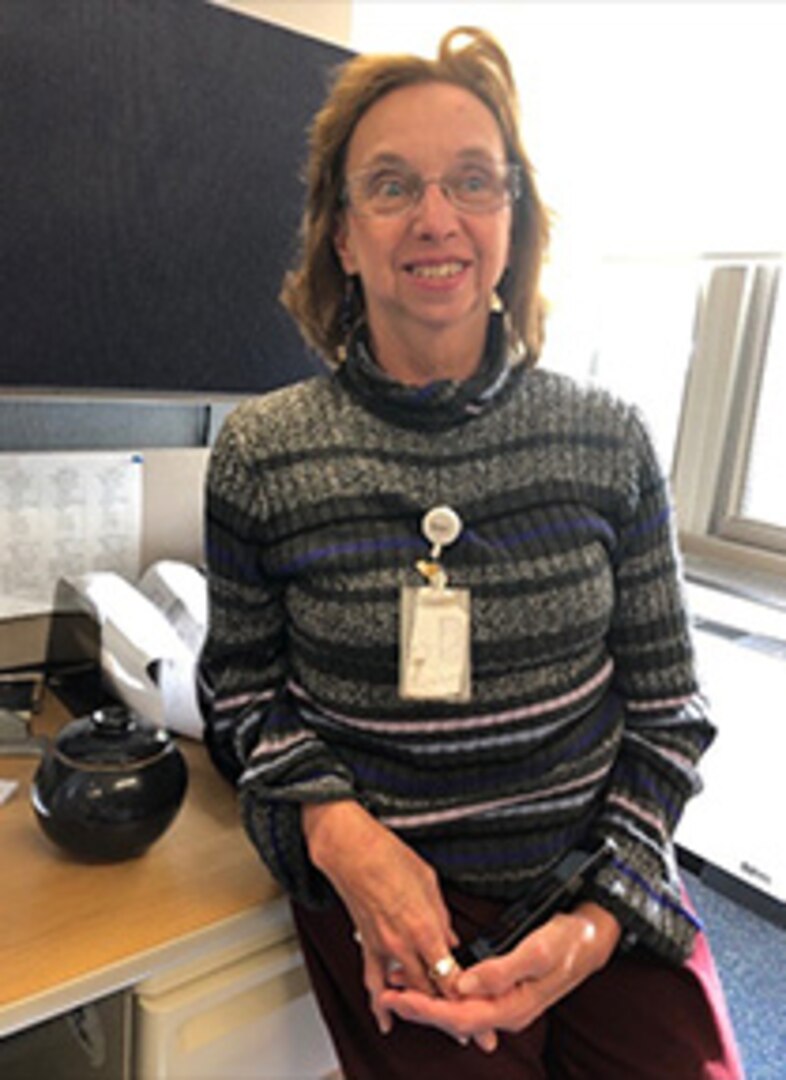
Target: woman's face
{"x": 433, "y": 266}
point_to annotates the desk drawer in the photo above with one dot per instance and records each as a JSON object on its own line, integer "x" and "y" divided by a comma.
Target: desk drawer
{"x": 254, "y": 1017}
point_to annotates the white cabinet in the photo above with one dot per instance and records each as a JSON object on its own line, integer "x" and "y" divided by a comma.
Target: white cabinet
{"x": 245, "y": 1011}
{"x": 737, "y": 822}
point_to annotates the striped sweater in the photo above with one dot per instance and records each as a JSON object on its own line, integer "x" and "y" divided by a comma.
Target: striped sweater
{"x": 585, "y": 718}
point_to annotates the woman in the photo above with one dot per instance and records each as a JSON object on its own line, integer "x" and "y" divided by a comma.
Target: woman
{"x": 447, "y": 641}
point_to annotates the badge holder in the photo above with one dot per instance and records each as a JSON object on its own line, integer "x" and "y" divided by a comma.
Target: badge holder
{"x": 434, "y": 662}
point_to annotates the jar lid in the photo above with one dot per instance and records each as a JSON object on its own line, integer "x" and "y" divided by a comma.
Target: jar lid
{"x": 113, "y": 735}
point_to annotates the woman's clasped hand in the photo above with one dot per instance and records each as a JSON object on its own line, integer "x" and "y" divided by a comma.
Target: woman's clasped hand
{"x": 392, "y": 895}
{"x": 404, "y": 930}
{"x": 402, "y": 923}
{"x": 509, "y": 992}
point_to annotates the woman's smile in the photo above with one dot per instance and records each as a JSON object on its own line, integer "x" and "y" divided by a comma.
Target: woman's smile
{"x": 438, "y": 275}
{"x": 437, "y": 271}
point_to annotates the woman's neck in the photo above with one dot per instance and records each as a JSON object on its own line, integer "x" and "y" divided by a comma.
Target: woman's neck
{"x": 419, "y": 358}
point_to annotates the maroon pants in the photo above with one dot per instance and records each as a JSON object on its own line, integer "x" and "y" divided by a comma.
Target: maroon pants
{"x": 637, "y": 1019}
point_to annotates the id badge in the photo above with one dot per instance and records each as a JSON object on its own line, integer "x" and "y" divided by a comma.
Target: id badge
{"x": 434, "y": 660}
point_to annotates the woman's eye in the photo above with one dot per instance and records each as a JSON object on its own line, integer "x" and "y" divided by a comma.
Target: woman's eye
{"x": 389, "y": 186}
{"x": 475, "y": 182}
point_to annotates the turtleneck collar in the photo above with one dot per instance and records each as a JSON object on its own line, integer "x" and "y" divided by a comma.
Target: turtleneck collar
{"x": 437, "y": 405}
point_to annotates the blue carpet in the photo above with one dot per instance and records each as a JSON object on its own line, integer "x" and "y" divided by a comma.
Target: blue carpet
{"x": 750, "y": 953}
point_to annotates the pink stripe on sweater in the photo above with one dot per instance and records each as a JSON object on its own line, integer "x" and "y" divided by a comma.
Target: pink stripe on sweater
{"x": 236, "y": 702}
{"x": 454, "y": 813}
{"x": 268, "y": 747}
{"x": 542, "y": 708}
{"x": 659, "y": 703}
{"x": 630, "y": 807}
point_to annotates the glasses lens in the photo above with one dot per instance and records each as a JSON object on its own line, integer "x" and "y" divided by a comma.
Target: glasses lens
{"x": 384, "y": 191}
{"x": 482, "y": 188}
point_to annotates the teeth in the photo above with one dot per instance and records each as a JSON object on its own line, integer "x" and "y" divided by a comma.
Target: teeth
{"x": 442, "y": 270}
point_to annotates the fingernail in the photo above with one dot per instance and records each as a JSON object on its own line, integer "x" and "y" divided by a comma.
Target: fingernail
{"x": 468, "y": 984}
{"x": 462, "y": 1041}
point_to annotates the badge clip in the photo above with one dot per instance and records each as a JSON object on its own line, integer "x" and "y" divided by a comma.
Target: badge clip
{"x": 435, "y": 622}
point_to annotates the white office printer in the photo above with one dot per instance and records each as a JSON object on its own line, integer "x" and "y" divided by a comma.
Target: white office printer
{"x": 150, "y": 637}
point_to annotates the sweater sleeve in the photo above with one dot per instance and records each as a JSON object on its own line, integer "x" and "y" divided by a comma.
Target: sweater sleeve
{"x": 666, "y": 724}
{"x": 254, "y": 732}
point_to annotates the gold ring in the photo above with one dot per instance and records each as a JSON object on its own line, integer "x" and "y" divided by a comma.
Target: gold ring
{"x": 443, "y": 967}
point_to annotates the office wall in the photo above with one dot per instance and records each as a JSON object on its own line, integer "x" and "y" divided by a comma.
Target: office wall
{"x": 153, "y": 154}
{"x": 169, "y": 431}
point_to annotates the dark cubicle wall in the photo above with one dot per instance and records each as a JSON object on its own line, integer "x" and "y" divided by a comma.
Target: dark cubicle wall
{"x": 152, "y": 153}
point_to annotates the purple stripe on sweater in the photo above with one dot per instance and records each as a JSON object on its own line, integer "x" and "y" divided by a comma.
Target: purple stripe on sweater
{"x": 658, "y": 897}
{"x": 649, "y": 524}
{"x": 353, "y": 547}
{"x": 446, "y": 784}
{"x": 539, "y": 531}
{"x": 359, "y": 547}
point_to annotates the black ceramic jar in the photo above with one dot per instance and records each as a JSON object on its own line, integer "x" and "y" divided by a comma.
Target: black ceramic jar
{"x": 109, "y": 786}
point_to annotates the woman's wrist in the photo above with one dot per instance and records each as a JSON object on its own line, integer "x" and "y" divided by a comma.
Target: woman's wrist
{"x": 325, "y": 823}
{"x": 604, "y": 930}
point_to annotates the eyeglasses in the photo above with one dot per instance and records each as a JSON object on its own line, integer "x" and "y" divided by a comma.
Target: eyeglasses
{"x": 387, "y": 190}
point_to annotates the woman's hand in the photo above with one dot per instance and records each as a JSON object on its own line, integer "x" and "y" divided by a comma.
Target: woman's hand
{"x": 508, "y": 993}
{"x": 392, "y": 896}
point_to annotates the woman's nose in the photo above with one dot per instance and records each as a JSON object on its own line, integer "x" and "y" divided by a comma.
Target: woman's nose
{"x": 434, "y": 212}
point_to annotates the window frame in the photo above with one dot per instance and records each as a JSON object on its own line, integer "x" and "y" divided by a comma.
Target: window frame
{"x": 713, "y": 444}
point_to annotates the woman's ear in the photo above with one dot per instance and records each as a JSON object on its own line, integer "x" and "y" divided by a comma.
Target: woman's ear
{"x": 343, "y": 246}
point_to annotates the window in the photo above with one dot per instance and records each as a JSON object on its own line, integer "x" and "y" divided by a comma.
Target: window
{"x": 732, "y": 439}
{"x": 700, "y": 345}
{"x": 761, "y": 493}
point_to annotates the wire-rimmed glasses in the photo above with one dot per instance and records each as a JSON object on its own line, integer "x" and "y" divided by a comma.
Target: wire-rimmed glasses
{"x": 386, "y": 190}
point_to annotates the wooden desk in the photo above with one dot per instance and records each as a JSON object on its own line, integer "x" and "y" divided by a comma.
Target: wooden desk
{"x": 71, "y": 932}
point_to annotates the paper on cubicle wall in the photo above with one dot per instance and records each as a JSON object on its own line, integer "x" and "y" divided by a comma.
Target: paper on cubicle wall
{"x": 63, "y": 514}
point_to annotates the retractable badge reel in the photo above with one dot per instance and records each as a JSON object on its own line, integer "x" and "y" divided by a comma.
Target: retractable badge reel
{"x": 434, "y": 662}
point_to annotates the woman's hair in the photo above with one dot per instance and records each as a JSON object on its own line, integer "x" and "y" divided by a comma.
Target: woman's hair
{"x": 315, "y": 292}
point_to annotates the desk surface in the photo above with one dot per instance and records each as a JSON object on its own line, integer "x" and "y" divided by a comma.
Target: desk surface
{"x": 63, "y": 923}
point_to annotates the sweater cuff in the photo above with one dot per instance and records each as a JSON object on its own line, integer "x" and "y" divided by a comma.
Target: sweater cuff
{"x": 647, "y": 901}
{"x": 275, "y": 829}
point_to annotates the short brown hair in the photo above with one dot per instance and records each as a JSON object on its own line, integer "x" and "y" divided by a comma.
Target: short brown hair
{"x": 314, "y": 290}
